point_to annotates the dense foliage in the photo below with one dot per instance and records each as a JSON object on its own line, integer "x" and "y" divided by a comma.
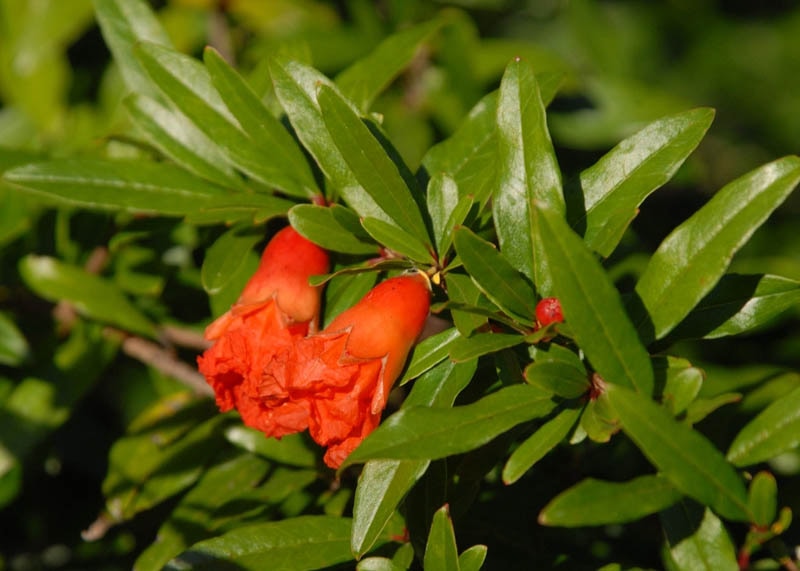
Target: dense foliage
{"x": 503, "y": 149}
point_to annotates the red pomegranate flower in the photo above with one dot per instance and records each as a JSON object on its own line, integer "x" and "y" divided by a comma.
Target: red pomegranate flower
{"x": 276, "y": 308}
{"x": 342, "y": 376}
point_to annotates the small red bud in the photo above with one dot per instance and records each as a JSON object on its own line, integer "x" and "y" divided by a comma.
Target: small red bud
{"x": 549, "y": 311}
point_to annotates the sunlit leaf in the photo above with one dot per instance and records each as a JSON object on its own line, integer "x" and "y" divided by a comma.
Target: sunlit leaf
{"x": 321, "y": 225}
{"x": 441, "y": 552}
{"x": 696, "y": 539}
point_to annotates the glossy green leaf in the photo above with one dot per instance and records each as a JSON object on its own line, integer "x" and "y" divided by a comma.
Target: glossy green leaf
{"x": 615, "y": 186}
{"x": 682, "y": 383}
{"x": 398, "y": 240}
{"x": 775, "y": 430}
{"x": 461, "y": 289}
{"x": 447, "y": 209}
{"x": 693, "y": 258}
{"x": 295, "y": 544}
{"x": 702, "y": 407}
{"x": 469, "y": 156}
{"x": 152, "y": 464}
{"x": 364, "y": 80}
{"x": 493, "y": 273}
{"x": 262, "y": 127}
{"x": 372, "y": 167}
{"x": 292, "y": 449}
{"x": 383, "y": 484}
{"x": 478, "y": 344}
{"x": 737, "y": 304}
{"x": 124, "y": 23}
{"x": 378, "y": 564}
{"x": 681, "y": 454}
{"x": 597, "y": 502}
{"x": 429, "y": 353}
{"x": 226, "y": 255}
{"x": 472, "y": 559}
{"x": 180, "y": 140}
{"x": 321, "y": 225}
{"x": 537, "y": 445}
{"x": 14, "y": 347}
{"x": 427, "y": 433}
{"x": 246, "y": 207}
{"x": 559, "y": 378}
{"x": 762, "y": 497}
{"x": 193, "y": 518}
{"x": 188, "y": 85}
{"x": 527, "y": 172}
{"x": 296, "y": 87}
{"x": 92, "y": 295}
{"x": 599, "y": 421}
{"x": 441, "y": 552}
{"x": 696, "y": 540}
{"x": 592, "y": 306}
{"x": 133, "y": 186}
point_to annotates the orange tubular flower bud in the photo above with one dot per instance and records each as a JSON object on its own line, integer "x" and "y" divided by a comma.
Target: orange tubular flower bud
{"x": 276, "y": 308}
{"x": 342, "y": 376}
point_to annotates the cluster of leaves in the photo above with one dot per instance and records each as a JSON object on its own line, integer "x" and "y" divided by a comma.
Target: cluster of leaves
{"x": 589, "y": 424}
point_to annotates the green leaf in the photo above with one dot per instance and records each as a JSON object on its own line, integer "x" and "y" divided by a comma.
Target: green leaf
{"x": 558, "y": 378}
{"x": 441, "y": 552}
{"x": 291, "y": 450}
{"x": 495, "y": 276}
{"x": 180, "y": 140}
{"x": 262, "y": 127}
{"x": 762, "y": 497}
{"x": 615, "y": 186}
{"x": 124, "y": 23}
{"x": 546, "y": 437}
{"x": 681, "y": 454}
{"x": 469, "y": 348}
{"x": 472, "y": 559}
{"x": 682, "y": 383}
{"x": 378, "y": 564}
{"x": 188, "y": 85}
{"x": 226, "y": 255}
{"x": 701, "y": 408}
{"x": 693, "y": 258}
{"x": 295, "y": 544}
{"x": 321, "y": 225}
{"x": 133, "y": 186}
{"x": 469, "y": 156}
{"x": 296, "y": 87}
{"x": 398, "y": 240}
{"x": 447, "y": 210}
{"x": 596, "y": 502}
{"x": 738, "y": 303}
{"x": 427, "y": 433}
{"x": 461, "y": 289}
{"x": 249, "y": 207}
{"x": 429, "y": 353}
{"x": 14, "y": 347}
{"x": 775, "y": 430}
{"x": 592, "y": 306}
{"x": 372, "y": 167}
{"x": 92, "y": 296}
{"x": 383, "y": 484}
{"x": 527, "y": 172}
{"x": 364, "y": 80}
{"x": 696, "y": 540}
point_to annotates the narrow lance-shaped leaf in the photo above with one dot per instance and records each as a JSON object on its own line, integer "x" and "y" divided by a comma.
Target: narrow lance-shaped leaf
{"x": 296, "y": 86}
{"x": 775, "y": 430}
{"x": 496, "y": 277}
{"x": 132, "y": 186}
{"x": 681, "y": 454}
{"x": 226, "y": 255}
{"x": 321, "y": 225}
{"x": 124, "y": 23}
{"x": 696, "y": 539}
{"x": 527, "y": 172}
{"x": 372, "y": 167}
{"x": 427, "y": 433}
{"x": 294, "y": 544}
{"x": 364, "y": 80}
{"x": 398, "y": 240}
{"x": 441, "y": 551}
{"x": 692, "y": 259}
{"x": 180, "y": 140}
{"x": 596, "y": 502}
{"x": 615, "y": 186}
{"x": 14, "y": 347}
{"x": 91, "y": 295}
{"x": 592, "y": 306}
{"x": 259, "y": 123}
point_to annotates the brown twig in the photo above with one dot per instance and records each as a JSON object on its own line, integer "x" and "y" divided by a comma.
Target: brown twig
{"x": 184, "y": 337}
